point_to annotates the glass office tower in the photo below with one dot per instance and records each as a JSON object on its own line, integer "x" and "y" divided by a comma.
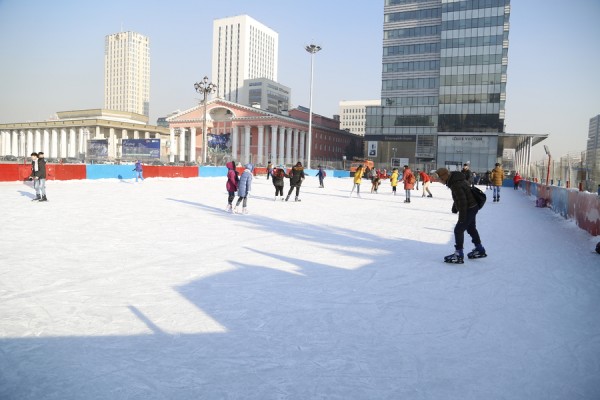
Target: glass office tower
{"x": 443, "y": 82}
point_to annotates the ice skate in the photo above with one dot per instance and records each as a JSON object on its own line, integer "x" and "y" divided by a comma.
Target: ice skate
{"x": 478, "y": 252}
{"x": 297, "y": 199}
{"x": 44, "y": 198}
{"x": 287, "y": 197}
{"x": 37, "y": 198}
{"x": 244, "y": 210}
{"x": 455, "y": 258}
{"x": 229, "y": 209}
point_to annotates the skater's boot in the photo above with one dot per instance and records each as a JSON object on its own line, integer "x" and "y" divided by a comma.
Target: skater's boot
{"x": 455, "y": 258}
{"x": 244, "y": 210}
{"x": 495, "y": 199}
{"x": 297, "y": 199}
{"x": 235, "y": 210}
{"x": 498, "y": 200}
{"x": 44, "y": 198}
{"x": 229, "y": 209}
{"x": 37, "y": 198}
{"x": 287, "y": 197}
{"x": 478, "y": 252}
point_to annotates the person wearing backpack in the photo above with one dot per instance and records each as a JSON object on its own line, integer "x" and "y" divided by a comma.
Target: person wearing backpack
{"x": 409, "y": 182}
{"x": 321, "y": 174}
{"x": 466, "y": 206}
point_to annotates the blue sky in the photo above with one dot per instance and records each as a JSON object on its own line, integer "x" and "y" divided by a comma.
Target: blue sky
{"x": 53, "y": 52}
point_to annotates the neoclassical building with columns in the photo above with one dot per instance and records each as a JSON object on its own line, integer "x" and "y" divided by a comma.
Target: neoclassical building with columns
{"x": 67, "y": 135}
{"x": 247, "y": 134}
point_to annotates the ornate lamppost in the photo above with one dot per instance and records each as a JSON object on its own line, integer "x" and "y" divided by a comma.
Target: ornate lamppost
{"x": 204, "y": 87}
{"x": 312, "y": 49}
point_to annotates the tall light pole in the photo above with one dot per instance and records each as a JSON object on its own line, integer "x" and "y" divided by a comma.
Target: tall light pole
{"x": 312, "y": 49}
{"x": 205, "y": 88}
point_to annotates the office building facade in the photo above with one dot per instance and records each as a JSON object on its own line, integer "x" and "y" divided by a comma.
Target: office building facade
{"x": 243, "y": 48}
{"x": 353, "y": 115}
{"x": 444, "y": 73}
{"x": 266, "y": 94}
{"x": 127, "y": 73}
{"x": 592, "y": 156}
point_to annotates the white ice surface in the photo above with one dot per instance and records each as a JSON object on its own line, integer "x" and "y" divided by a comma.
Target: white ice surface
{"x": 118, "y": 290}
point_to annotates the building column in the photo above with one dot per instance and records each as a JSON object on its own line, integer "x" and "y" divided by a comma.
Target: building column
{"x": 288, "y": 146}
{"x": 37, "y": 140}
{"x": 63, "y": 143}
{"x": 54, "y": 143}
{"x": 136, "y": 134}
{"x": 302, "y": 146}
{"x": 261, "y": 143}
{"x": 274, "y": 144}
{"x": 234, "y": 142}
{"x": 112, "y": 143}
{"x": 146, "y": 135}
{"x": 72, "y": 142}
{"x": 193, "y": 157}
{"x": 171, "y": 144}
{"x": 4, "y": 141}
{"x": 281, "y": 159}
{"x": 80, "y": 149}
{"x": 15, "y": 143}
{"x": 46, "y": 142}
{"x": 295, "y": 146}
{"x": 29, "y": 143}
{"x": 247, "y": 143}
{"x": 181, "y": 144}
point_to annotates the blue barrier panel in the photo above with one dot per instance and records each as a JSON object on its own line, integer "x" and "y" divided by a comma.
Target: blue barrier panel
{"x": 338, "y": 173}
{"x": 107, "y": 171}
{"x": 560, "y": 203}
{"x": 211, "y": 172}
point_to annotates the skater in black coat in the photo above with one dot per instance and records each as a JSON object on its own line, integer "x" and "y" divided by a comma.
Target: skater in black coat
{"x": 466, "y": 207}
{"x": 278, "y": 175}
{"x": 296, "y": 178}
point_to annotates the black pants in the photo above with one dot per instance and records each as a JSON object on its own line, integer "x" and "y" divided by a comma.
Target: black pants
{"x": 231, "y": 197}
{"x": 245, "y": 198}
{"x": 468, "y": 225}
{"x": 292, "y": 189}
{"x": 278, "y": 191}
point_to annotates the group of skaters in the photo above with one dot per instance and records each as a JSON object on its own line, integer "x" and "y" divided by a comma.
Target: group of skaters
{"x": 408, "y": 179}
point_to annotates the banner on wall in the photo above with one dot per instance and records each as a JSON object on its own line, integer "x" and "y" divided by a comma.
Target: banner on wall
{"x": 143, "y": 148}
{"x": 372, "y": 149}
{"x": 97, "y": 148}
{"x": 219, "y": 142}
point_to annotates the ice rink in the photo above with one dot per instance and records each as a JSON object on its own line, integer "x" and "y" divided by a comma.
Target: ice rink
{"x": 118, "y": 290}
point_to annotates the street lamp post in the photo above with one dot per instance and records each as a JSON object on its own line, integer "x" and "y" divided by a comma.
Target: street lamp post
{"x": 312, "y": 49}
{"x": 204, "y": 87}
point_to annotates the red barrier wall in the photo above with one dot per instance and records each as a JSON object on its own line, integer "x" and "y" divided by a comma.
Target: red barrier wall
{"x": 9, "y": 172}
{"x": 65, "y": 172}
{"x": 153, "y": 171}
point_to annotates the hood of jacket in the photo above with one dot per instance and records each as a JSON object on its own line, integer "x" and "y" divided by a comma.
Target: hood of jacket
{"x": 455, "y": 176}
{"x": 230, "y": 165}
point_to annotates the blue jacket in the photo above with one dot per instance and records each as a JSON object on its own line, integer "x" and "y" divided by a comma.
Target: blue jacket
{"x": 245, "y": 185}
{"x": 138, "y": 166}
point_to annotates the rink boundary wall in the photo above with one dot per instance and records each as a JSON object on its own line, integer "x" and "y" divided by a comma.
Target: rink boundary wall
{"x": 581, "y": 207}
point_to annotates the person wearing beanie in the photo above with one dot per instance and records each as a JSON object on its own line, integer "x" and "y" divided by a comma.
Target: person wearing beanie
{"x": 296, "y": 179}
{"x": 466, "y": 207}
{"x": 244, "y": 188}
{"x": 497, "y": 177}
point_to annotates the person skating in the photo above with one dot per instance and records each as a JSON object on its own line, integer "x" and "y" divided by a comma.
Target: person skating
{"x": 394, "y": 180}
{"x": 244, "y": 187}
{"x": 357, "y": 180}
{"x": 232, "y": 184}
{"x": 409, "y": 182}
{"x": 497, "y": 177}
{"x": 139, "y": 171}
{"x": 278, "y": 181}
{"x": 466, "y": 207}
{"x": 321, "y": 174}
{"x": 269, "y": 170}
{"x": 296, "y": 179}
{"x": 516, "y": 180}
{"x": 426, "y": 181}
{"x": 38, "y": 175}
{"x": 468, "y": 174}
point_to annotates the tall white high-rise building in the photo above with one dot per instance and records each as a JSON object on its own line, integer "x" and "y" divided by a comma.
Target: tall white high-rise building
{"x": 243, "y": 48}
{"x": 127, "y": 73}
